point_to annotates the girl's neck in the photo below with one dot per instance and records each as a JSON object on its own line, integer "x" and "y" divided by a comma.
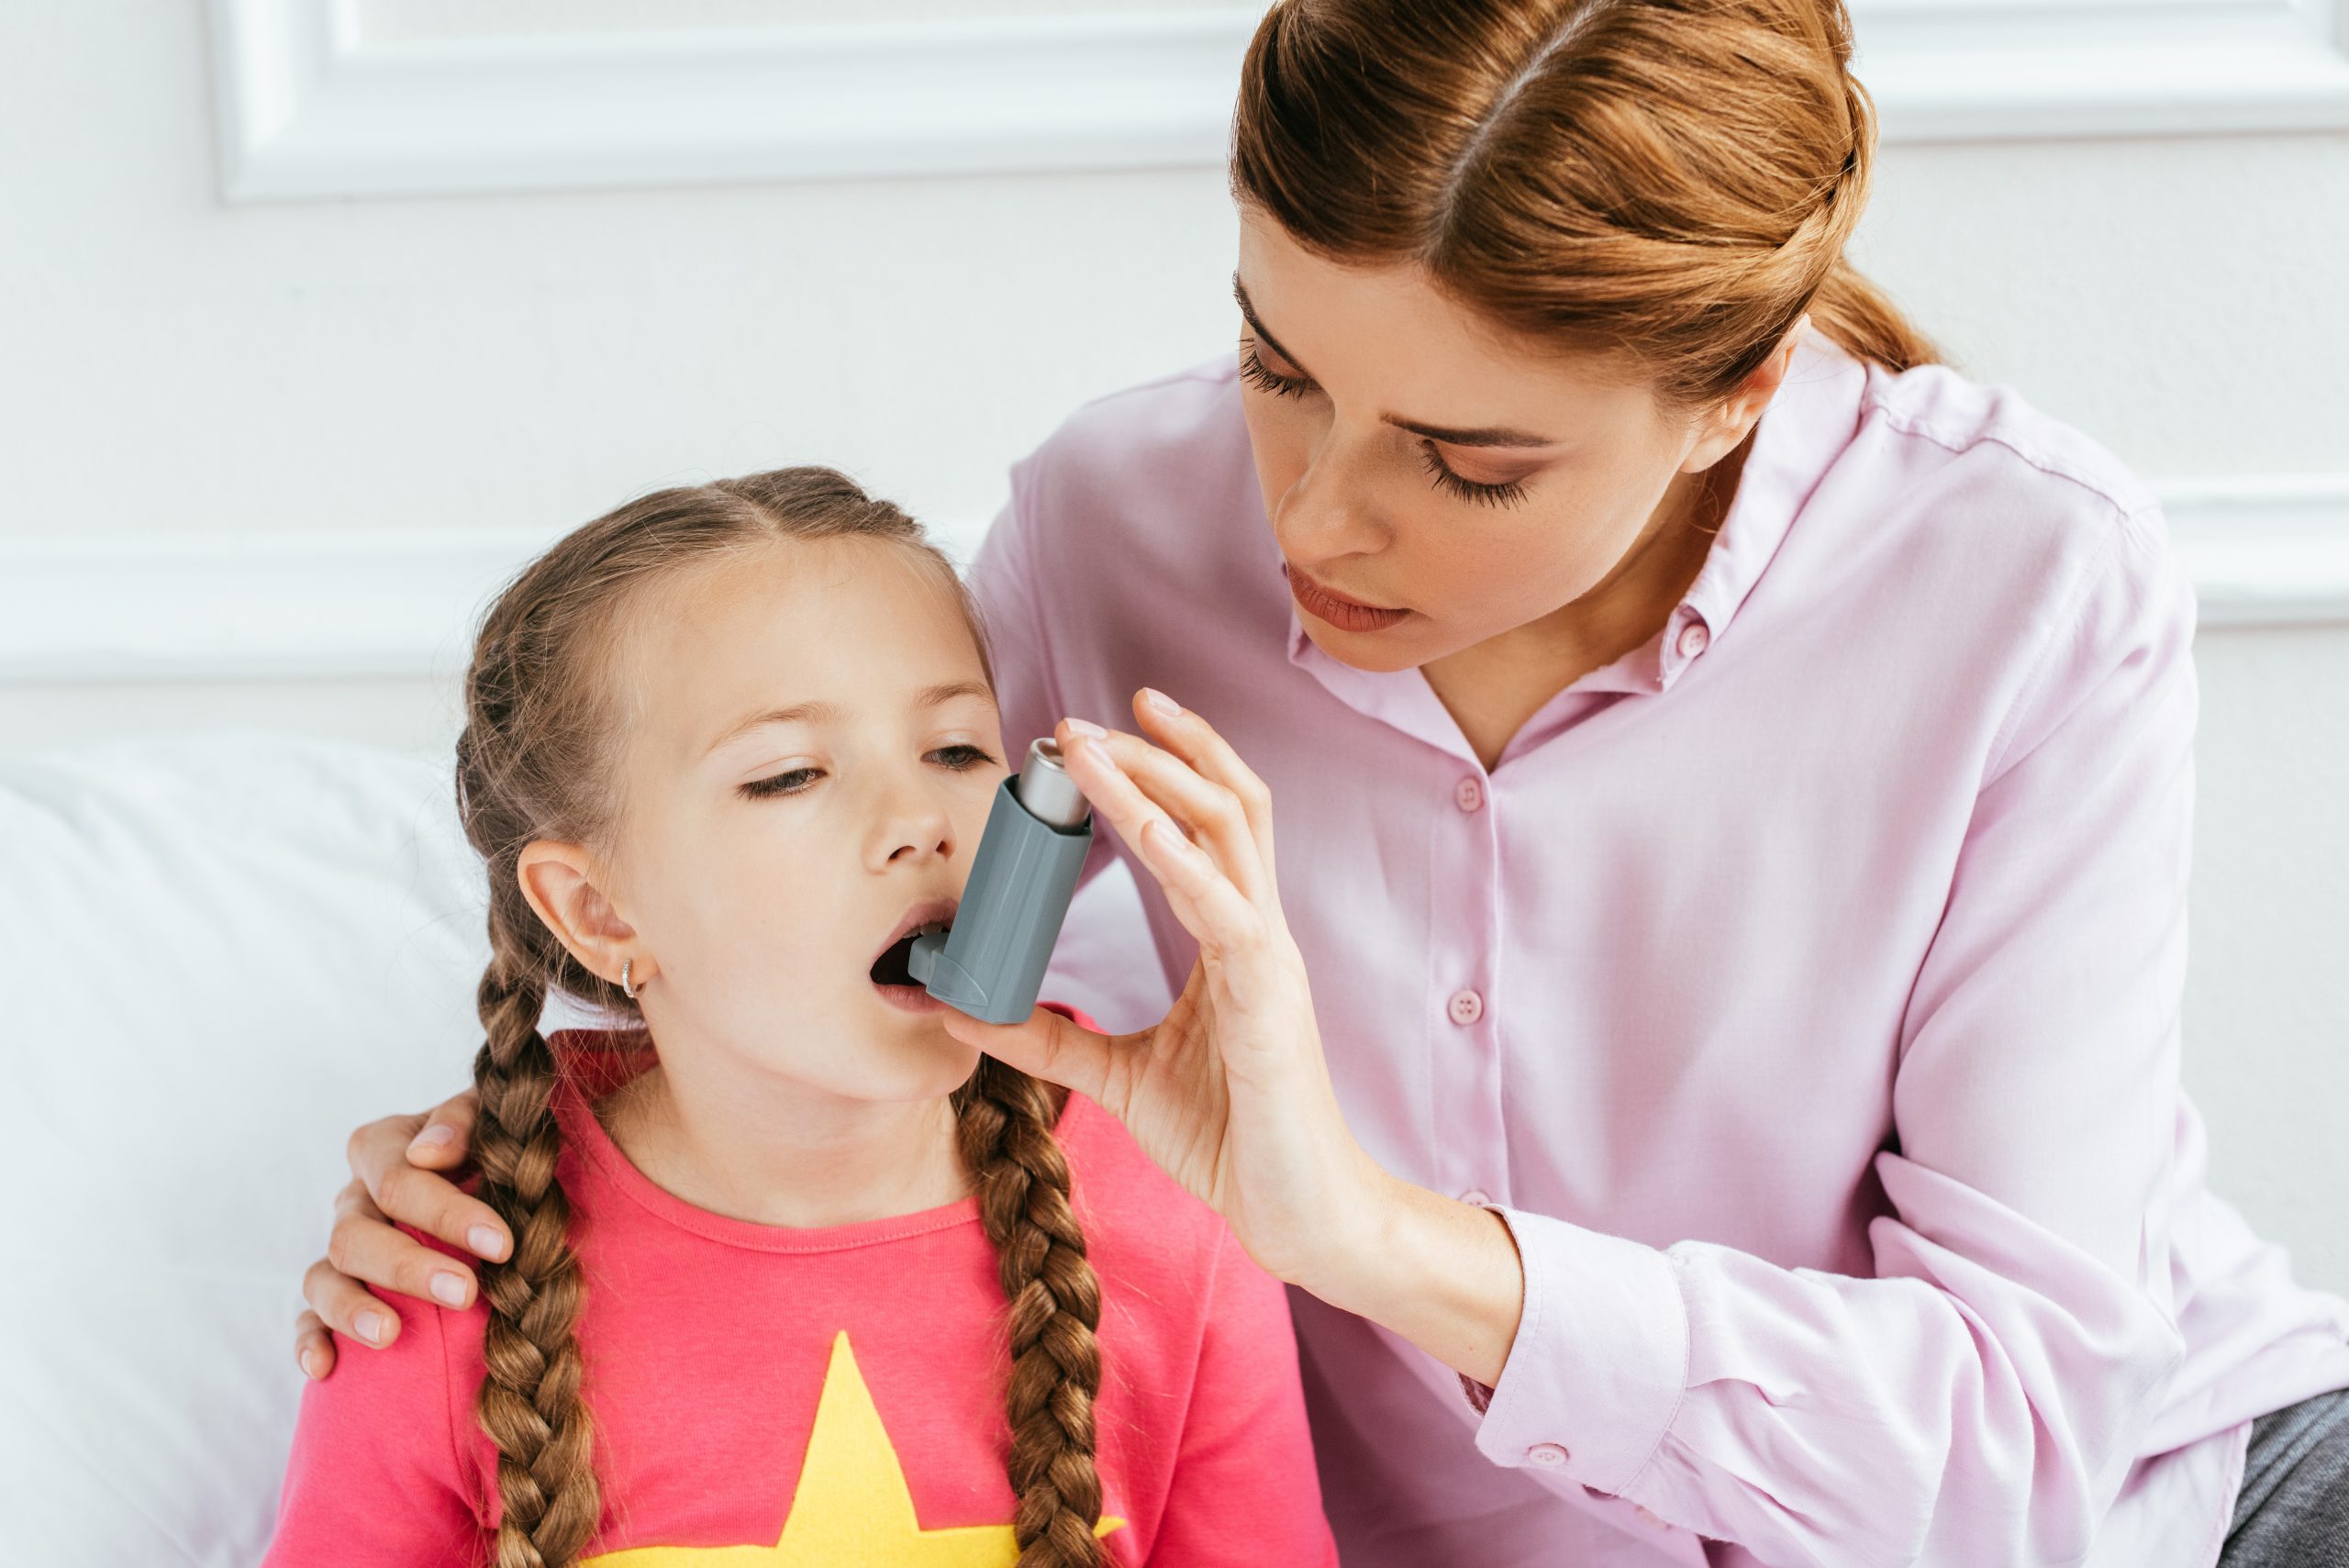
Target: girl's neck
{"x": 750, "y": 1147}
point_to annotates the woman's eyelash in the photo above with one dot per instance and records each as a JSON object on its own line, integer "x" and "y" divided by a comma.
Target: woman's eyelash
{"x": 791, "y": 781}
{"x": 1253, "y": 369}
{"x": 965, "y": 757}
{"x": 1507, "y": 495}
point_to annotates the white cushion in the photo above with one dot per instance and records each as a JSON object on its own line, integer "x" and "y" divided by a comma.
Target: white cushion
{"x": 217, "y": 957}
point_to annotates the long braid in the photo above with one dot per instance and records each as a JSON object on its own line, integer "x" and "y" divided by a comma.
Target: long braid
{"x": 530, "y": 1400}
{"x": 1006, "y": 1128}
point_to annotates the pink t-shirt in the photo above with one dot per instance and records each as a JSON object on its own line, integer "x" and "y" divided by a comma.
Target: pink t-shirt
{"x": 835, "y": 1397}
{"x": 1803, "y": 987}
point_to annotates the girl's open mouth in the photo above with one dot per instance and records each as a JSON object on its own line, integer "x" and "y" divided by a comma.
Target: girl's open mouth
{"x": 892, "y": 976}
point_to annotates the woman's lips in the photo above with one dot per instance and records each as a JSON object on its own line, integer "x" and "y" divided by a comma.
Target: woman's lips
{"x": 1346, "y": 615}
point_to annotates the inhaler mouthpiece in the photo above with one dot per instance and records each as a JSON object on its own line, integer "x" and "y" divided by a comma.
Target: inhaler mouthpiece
{"x": 991, "y": 964}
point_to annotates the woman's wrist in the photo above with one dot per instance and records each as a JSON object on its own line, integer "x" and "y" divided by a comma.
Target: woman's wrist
{"x": 1441, "y": 1274}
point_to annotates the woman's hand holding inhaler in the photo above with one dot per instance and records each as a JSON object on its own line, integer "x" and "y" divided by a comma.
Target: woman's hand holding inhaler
{"x": 1231, "y": 1091}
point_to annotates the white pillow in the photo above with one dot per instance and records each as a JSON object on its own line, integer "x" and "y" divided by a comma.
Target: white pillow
{"x": 217, "y": 957}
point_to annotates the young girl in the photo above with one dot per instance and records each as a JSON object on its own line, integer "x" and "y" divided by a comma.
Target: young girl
{"x": 797, "y": 1278}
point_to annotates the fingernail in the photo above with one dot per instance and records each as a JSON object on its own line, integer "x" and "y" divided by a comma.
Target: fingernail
{"x": 449, "y": 1290}
{"x": 487, "y": 1241}
{"x": 314, "y": 1365}
{"x": 1159, "y": 703}
{"x": 370, "y": 1325}
{"x": 1086, "y": 727}
{"x": 440, "y": 1135}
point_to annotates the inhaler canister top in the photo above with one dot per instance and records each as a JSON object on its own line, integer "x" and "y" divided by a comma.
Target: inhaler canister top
{"x": 1047, "y": 791}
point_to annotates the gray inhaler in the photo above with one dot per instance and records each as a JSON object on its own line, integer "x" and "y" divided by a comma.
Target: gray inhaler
{"x": 991, "y": 963}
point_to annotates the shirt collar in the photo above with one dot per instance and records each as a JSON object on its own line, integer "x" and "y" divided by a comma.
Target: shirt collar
{"x": 1809, "y": 421}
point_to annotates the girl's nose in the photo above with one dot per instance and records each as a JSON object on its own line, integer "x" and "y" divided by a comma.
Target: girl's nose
{"x": 913, "y": 827}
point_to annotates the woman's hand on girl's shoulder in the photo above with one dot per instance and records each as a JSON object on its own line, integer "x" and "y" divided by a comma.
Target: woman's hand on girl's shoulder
{"x": 402, "y": 1171}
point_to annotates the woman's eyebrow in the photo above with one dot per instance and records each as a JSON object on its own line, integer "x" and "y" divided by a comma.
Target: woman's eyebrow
{"x": 1486, "y": 435}
{"x": 1489, "y": 436}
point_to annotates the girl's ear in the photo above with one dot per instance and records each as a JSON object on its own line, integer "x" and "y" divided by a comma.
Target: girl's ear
{"x": 559, "y": 880}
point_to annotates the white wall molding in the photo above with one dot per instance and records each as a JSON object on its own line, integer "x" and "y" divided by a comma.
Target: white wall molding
{"x": 270, "y": 606}
{"x": 2263, "y": 550}
{"x": 308, "y": 106}
{"x": 305, "y": 107}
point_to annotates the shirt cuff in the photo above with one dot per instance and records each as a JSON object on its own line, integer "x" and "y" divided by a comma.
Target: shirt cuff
{"x": 1601, "y": 1356}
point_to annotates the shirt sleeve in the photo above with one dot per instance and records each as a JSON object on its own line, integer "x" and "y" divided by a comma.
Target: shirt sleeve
{"x": 375, "y": 1480}
{"x": 1982, "y": 1396}
{"x": 1245, "y": 1490}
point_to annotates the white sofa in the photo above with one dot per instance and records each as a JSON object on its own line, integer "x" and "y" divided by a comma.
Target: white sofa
{"x": 216, "y": 957}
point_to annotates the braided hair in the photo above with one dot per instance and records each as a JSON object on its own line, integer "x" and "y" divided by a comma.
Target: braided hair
{"x": 532, "y": 763}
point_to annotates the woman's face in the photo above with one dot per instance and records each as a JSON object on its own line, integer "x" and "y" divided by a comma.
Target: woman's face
{"x": 1431, "y": 484}
{"x": 808, "y": 753}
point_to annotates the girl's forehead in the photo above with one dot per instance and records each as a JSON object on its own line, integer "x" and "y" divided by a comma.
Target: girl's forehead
{"x": 847, "y": 623}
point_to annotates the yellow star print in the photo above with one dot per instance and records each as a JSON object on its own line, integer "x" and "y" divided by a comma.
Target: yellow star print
{"x": 851, "y": 1508}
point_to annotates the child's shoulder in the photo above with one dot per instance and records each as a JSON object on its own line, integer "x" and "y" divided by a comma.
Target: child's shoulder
{"x": 451, "y": 1335}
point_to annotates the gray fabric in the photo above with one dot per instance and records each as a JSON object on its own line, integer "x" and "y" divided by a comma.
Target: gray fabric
{"x": 2293, "y": 1511}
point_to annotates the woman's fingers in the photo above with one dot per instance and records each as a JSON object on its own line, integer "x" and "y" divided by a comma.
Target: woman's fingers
{"x": 1213, "y": 815}
{"x": 346, "y": 1306}
{"x": 313, "y": 1346}
{"x": 379, "y": 1156}
{"x": 1202, "y": 895}
{"x": 368, "y": 1248}
{"x": 1127, "y": 800}
{"x": 446, "y": 1139}
{"x": 1046, "y": 1046}
{"x": 1194, "y": 740}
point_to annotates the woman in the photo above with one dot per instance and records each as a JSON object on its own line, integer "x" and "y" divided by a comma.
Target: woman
{"x": 1734, "y": 779}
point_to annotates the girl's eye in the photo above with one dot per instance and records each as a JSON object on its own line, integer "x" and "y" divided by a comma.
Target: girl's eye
{"x": 791, "y": 781}
{"x": 1507, "y": 495}
{"x": 959, "y": 758}
{"x": 1253, "y": 371}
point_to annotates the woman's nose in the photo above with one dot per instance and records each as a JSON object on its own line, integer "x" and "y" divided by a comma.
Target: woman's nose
{"x": 1329, "y": 511}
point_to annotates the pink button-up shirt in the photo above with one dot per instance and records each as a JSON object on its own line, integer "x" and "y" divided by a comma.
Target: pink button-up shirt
{"x": 1802, "y": 988}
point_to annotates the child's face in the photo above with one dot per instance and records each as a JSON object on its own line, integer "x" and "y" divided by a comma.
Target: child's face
{"x": 809, "y": 753}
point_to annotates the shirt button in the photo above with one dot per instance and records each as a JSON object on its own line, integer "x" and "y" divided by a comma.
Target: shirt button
{"x": 1468, "y": 795}
{"x": 1548, "y": 1455}
{"x": 1466, "y": 1006}
{"x": 1694, "y": 639}
{"x": 1475, "y": 1197}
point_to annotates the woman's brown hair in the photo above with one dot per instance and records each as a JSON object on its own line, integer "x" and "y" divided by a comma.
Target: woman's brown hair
{"x": 1670, "y": 181}
{"x": 534, "y": 762}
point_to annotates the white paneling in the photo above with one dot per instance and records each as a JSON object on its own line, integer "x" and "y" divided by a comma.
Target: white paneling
{"x": 309, "y": 607}
{"x": 309, "y": 105}
{"x": 308, "y": 108}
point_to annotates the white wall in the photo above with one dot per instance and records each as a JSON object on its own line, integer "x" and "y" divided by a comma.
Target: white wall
{"x": 505, "y": 364}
